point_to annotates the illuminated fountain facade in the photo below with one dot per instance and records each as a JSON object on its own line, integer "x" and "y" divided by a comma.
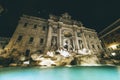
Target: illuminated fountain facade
{"x": 35, "y": 34}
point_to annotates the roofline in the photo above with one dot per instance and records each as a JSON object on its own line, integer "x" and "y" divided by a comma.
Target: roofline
{"x": 110, "y": 32}
{"x": 109, "y": 26}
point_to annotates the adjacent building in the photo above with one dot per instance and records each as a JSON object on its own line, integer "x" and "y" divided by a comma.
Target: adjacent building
{"x": 3, "y": 42}
{"x": 110, "y": 37}
{"x": 37, "y": 34}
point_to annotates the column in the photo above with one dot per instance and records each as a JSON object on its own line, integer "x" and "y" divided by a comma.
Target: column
{"x": 76, "y": 39}
{"x": 48, "y": 41}
{"x": 84, "y": 40}
{"x": 59, "y": 37}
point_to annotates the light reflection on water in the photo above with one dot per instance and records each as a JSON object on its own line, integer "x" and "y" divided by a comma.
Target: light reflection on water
{"x": 61, "y": 73}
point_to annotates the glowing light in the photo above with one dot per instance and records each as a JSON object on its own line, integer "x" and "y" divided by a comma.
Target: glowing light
{"x": 113, "y": 53}
{"x": 114, "y": 46}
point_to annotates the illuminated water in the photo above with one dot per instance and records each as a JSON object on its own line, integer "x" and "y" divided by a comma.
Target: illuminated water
{"x": 61, "y": 73}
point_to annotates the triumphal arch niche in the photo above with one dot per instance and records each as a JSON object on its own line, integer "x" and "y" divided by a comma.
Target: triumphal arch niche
{"x": 67, "y": 39}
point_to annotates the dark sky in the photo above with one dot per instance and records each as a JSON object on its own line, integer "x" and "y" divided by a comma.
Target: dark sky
{"x": 96, "y": 14}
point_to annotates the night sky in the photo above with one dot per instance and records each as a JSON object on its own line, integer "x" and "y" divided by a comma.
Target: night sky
{"x": 96, "y": 14}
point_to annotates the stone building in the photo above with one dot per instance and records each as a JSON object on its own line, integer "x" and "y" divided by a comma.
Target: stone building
{"x": 3, "y": 42}
{"x": 110, "y": 36}
{"x": 36, "y": 34}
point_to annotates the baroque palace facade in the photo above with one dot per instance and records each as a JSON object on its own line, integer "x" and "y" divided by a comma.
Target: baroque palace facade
{"x": 36, "y": 34}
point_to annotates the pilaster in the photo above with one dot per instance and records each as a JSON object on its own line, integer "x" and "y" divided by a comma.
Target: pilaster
{"x": 48, "y": 41}
{"x": 59, "y": 37}
{"x": 84, "y": 40}
{"x": 76, "y": 39}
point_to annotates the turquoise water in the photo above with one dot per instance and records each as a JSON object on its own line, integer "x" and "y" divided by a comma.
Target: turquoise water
{"x": 61, "y": 73}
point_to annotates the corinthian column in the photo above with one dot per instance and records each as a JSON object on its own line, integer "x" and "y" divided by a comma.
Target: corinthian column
{"x": 84, "y": 40}
{"x": 59, "y": 37}
{"x": 49, "y": 36}
{"x": 76, "y": 39}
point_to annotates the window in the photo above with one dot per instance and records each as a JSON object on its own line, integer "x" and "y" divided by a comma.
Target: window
{"x": 27, "y": 52}
{"x": 44, "y": 28}
{"x": 41, "y": 41}
{"x": 31, "y": 40}
{"x": 98, "y": 46}
{"x": 19, "y": 38}
{"x": 25, "y": 24}
{"x": 40, "y": 51}
{"x": 93, "y": 46}
{"x": 35, "y": 26}
{"x": 80, "y": 41}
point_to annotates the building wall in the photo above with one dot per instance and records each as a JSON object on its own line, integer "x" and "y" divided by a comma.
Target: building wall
{"x": 3, "y": 42}
{"x": 29, "y": 27}
{"x": 52, "y": 34}
{"x": 110, "y": 37}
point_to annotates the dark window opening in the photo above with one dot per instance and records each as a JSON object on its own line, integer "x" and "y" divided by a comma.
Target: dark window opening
{"x": 44, "y": 28}
{"x": 40, "y": 51}
{"x": 41, "y": 41}
{"x": 31, "y": 40}
{"x": 80, "y": 41}
{"x": 19, "y": 38}
{"x": 25, "y": 24}
{"x": 27, "y": 52}
{"x": 98, "y": 46}
{"x": 35, "y": 26}
{"x": 93, "y": 46}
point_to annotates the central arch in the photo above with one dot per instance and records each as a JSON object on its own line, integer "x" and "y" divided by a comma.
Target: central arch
{"x": 67, "y": 40}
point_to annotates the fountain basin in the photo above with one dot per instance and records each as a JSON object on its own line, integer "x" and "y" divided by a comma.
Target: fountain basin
{"x": 61, "y": 73}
